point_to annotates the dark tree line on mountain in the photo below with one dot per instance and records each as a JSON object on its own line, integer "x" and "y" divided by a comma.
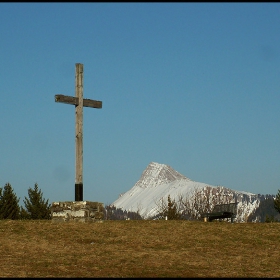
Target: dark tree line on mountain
{"x": 277, "y": 202}
{"x": 268, "y": 210}
{"x": 36, "y": 207}
{"x": 113, "y": 213}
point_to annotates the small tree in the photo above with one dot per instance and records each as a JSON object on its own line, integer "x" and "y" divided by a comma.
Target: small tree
{"x": 172, "y": 210}
{"x": 9, "y": 207}
{"x": 277, "y": 202}
{"x": 169, "y": 209}
{"x": 270, "y": 219}
{"x": 36, "y": 206}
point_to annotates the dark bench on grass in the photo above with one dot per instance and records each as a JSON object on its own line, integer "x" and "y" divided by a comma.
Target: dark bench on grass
{"x": 221, "y": 211}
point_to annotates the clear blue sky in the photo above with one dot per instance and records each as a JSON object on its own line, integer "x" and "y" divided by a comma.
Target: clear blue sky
{"x": 192, "y": 85}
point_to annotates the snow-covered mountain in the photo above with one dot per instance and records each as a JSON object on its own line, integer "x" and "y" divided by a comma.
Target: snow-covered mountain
{"x": 159, "y": 180}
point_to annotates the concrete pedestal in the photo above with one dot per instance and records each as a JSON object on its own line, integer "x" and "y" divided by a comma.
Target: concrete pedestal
{"x": 77, "y": 211}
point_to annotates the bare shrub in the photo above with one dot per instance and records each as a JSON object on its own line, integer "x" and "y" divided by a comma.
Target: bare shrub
{"x": 200, "y": 201}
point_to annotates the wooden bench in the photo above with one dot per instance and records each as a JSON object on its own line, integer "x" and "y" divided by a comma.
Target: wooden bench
{"x": 221, "y": 211}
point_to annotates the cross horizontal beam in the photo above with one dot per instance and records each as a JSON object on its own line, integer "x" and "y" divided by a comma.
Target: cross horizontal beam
{"x": 75, "y": 101}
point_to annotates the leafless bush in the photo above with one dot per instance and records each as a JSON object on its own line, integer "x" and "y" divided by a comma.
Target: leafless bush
{"x": 200, "y": 201}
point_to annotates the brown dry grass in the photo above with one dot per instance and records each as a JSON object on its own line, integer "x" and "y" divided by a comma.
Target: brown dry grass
{"x": 139, "y": 249}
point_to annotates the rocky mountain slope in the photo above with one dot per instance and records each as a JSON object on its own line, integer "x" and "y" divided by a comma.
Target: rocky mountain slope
{"x": 159, "y": 180}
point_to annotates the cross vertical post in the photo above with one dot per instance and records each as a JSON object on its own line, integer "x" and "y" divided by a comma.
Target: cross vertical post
{"x": 79, "y": 103}
{"x": 79, "y": 133}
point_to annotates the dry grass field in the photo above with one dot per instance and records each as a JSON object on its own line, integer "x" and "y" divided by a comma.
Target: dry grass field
{"x": 139, "y": 249}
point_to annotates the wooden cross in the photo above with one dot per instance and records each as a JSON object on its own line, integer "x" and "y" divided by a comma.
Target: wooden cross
{"x": 79, "y": 103}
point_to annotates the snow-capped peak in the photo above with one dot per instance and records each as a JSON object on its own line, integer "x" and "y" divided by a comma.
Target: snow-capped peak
{"x": 156, "y": 174}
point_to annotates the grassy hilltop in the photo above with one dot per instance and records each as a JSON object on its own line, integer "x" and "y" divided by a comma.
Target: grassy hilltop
{"x": 139, "y": 249}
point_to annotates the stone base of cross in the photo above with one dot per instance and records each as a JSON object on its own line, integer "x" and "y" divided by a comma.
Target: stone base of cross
{"x": 77, "y": 211}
